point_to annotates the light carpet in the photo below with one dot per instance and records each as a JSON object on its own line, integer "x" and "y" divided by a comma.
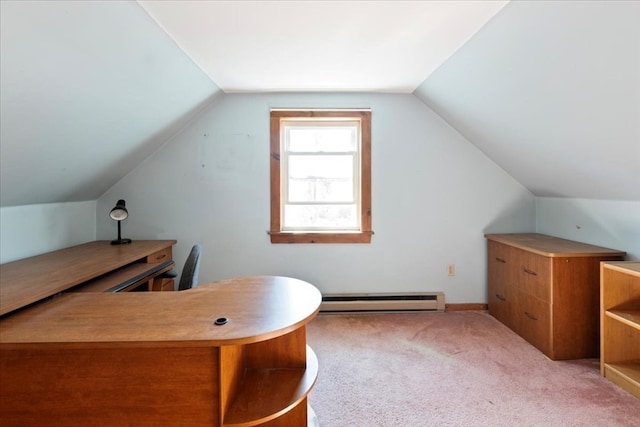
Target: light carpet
{"x": 459, "y": 368}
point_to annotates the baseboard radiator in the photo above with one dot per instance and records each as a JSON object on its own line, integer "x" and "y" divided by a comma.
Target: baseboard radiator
{"x": 412, "y": 301}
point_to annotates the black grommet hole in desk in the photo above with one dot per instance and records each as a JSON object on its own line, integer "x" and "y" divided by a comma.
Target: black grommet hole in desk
{"x": 221, "y": 321}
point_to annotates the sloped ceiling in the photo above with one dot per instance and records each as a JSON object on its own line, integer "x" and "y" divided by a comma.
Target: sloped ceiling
{"x": 89, "y": 89}
{"x": 549, "y": 90}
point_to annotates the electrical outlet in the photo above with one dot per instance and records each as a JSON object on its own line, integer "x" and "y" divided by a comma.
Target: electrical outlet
{"x": 451, "y": 269}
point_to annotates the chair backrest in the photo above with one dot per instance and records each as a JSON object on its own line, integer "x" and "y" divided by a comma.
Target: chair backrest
{"x": 189, "y": 276}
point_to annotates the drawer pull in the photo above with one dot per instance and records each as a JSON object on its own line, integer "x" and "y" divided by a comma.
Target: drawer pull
{"x": 161, "y": 256}
{"x": 533, "y": 273}
{"x": 501, "y": 260}
{"x": 500, "y": 297}
{"x": 530, "y": 316}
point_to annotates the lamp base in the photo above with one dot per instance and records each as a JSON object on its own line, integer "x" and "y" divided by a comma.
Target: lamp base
{"x": 120, "y": 241}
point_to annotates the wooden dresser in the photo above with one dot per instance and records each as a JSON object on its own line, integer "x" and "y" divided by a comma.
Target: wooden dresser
{"x": 620, "y": 317}
{"x": 547, "y": 290}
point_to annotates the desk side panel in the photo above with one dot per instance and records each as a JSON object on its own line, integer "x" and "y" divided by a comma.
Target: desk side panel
{"x": 110, "y": 387}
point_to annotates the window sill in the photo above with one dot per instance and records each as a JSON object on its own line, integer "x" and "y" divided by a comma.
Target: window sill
{"x": 352, "y": 237}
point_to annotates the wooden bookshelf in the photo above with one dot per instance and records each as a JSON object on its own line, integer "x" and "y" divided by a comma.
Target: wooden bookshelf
{"x": 620, "y": 324}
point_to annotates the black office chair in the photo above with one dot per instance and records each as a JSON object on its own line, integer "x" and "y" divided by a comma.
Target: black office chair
{"x": 189, "y": 276}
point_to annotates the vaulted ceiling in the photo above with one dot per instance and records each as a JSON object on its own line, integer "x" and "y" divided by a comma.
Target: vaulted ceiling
{"x": 549, "y": 90}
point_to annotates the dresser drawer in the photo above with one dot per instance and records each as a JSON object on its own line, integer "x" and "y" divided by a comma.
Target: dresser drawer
{"x": 501, "y": 305}
{"x": 534, "y": 275}
{"x": 499, "y": 253}
{"x": 160, "y": 256}
{"x": 500, "y": 277}
{"x": 501, "y": 267}
{"x": 533, "y": 319}
{"x": 500, "y": 263}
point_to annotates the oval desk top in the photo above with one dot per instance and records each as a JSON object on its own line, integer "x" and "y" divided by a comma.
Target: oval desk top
{"x": 257, "y": 308}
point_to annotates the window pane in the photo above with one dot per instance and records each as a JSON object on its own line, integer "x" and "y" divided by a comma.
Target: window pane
{"x": 320, "y": 178}
{"x": 320, "y": 216}
{"x": 321, "y": 138}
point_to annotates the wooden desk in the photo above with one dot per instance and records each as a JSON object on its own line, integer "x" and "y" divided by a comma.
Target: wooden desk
{"x": 157, "y": 358}
{"x": 32, "y": 279}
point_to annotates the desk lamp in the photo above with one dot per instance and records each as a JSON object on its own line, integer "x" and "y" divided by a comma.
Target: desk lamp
{"x": 119, "y": 213}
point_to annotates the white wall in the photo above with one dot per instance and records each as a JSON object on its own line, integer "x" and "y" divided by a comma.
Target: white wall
{"x": 434, "y": 195}
{"x": 613, "y": 224}
{"x": 34, "y": 229}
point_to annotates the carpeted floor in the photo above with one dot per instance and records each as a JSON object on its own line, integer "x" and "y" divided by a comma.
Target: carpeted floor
{"x": 452, "y": 369}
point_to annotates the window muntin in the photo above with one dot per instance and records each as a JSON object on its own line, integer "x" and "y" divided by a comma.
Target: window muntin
{"x": 320, "y": 176}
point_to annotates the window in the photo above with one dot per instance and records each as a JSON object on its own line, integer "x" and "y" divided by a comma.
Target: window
{"x": 321, "y": 176}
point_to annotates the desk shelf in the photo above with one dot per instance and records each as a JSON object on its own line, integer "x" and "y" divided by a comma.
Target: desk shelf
{"x": 126, "y": 278}
{"x": 267, "y": 394}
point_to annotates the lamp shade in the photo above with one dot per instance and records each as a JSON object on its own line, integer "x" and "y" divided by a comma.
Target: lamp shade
{"x": 119, "y": 212}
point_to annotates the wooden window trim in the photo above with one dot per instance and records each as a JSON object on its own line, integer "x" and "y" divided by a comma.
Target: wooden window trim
{"x": 362, "y": 236}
